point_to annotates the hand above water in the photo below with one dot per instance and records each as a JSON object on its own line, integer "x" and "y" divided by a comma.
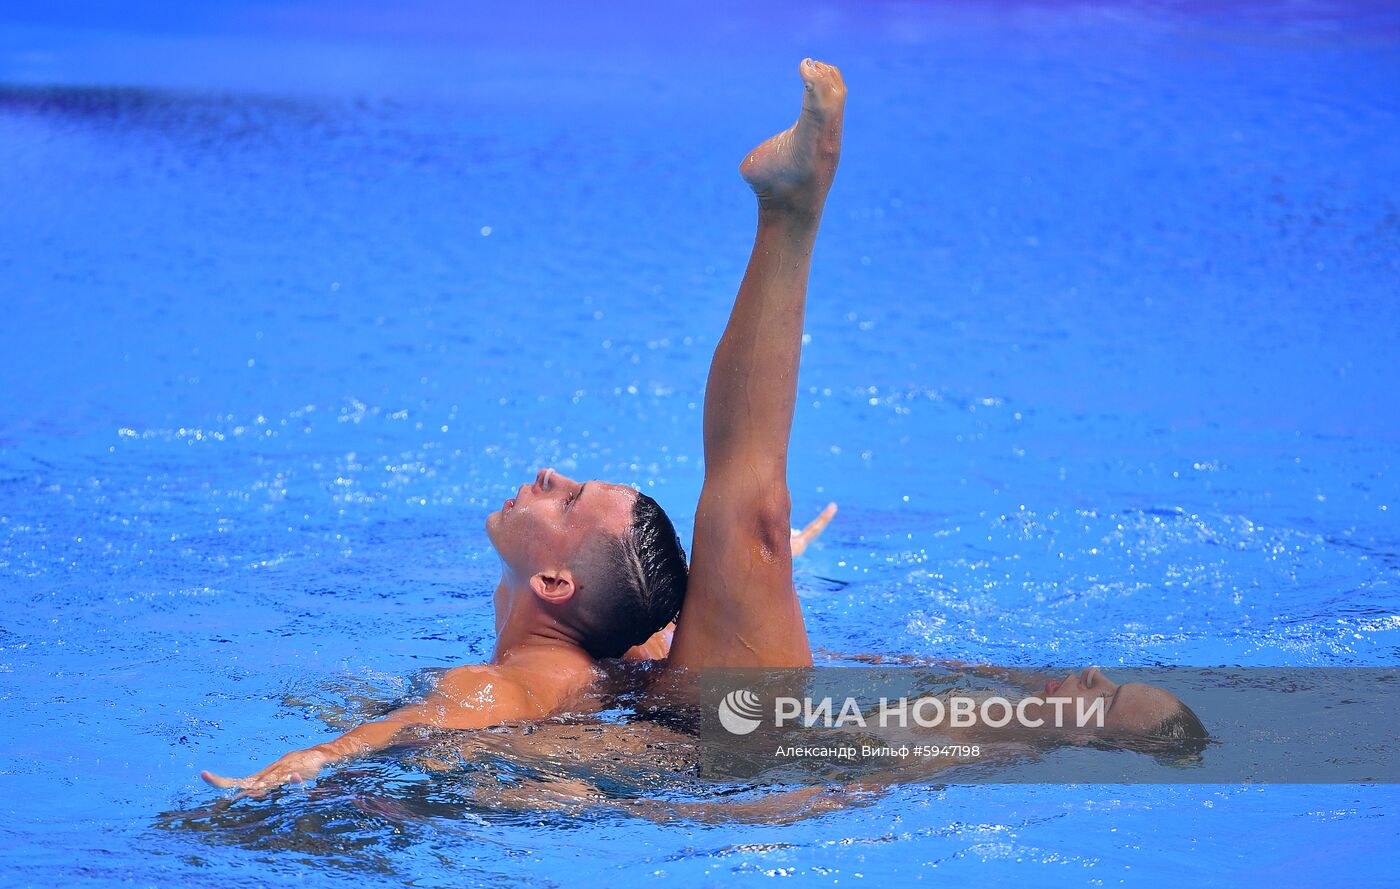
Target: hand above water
{"x": 296, "y": 767}
{"x": 800, "y": 539}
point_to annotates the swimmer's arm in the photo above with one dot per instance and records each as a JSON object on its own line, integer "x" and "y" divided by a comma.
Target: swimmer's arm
{"x": 461, "y": 701}
{"x": 1028, "y": 679}
{"x": 465, "y": 698}
{"x": 814, "y": 529}
{"x": 784, "y": 807}
{"x": 659, "y": 645}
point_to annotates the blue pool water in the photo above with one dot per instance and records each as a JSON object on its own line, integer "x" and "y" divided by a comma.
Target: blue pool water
{"x": 1103, "y": 324}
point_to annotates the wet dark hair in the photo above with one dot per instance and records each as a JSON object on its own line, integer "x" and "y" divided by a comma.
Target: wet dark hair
{"x": 1177, "y": 741}
{"x": 1183, "y": 725}
{"x": 641, "y": 584}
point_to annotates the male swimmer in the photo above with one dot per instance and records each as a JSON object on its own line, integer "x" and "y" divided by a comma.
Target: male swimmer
{"x": 590, "y": 570}
{"x": 594, "y": 570}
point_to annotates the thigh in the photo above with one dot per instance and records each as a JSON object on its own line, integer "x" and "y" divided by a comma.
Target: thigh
{"x": 741, "y": 609}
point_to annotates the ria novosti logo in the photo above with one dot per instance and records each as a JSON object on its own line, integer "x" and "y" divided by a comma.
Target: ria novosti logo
{"x": 740, "y": 712}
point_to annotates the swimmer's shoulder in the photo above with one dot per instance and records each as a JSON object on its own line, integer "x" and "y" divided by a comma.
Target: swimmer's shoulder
{"x": 476, "y": 687}
{"x": 511, "y": 692}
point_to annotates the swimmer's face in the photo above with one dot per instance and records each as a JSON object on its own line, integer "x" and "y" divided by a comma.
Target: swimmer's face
{"x": 1133, "y": 707}
{"x": 547, "y": 523}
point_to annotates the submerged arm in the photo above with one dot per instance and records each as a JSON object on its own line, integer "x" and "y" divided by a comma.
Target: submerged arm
{"x": 1027, "y": 679}
{"x": 465, "y": 698}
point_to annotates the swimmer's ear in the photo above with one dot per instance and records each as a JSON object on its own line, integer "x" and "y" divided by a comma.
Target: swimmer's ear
{"x": 555, "y": 587}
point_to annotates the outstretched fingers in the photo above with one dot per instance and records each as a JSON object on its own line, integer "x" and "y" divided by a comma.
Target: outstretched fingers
{"x": 221, "y": 782}
{"x": 257, "y": 785}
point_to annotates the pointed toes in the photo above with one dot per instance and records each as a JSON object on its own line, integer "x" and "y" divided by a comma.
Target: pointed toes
{"x": 821, "y": 78}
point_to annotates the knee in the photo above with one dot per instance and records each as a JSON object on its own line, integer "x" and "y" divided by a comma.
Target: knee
{"x": 772, "y": 521}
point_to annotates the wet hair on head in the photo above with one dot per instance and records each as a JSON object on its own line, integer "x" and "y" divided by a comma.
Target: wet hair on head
{"x": 1176, "y": 742}
{"x": 1183, "y": 725}
{"x": 640, "y": 586}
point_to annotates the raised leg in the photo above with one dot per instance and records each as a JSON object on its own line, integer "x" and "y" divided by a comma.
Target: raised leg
{"x": 740, "y": 608}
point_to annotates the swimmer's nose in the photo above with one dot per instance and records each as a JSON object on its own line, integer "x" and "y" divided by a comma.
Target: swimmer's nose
{"x": 1091, "y": 676}
{"x": 542, "y": 480}
{"x": 548, "y": 480}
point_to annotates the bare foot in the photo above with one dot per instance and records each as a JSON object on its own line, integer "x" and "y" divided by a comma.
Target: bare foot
{"x": 793, "y": 170}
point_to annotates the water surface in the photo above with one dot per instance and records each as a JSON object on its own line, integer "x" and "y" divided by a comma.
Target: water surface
{"x": 1101, "y": 370}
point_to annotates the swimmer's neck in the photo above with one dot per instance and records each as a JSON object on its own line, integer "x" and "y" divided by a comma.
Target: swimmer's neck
{"x": 525, "y": 632}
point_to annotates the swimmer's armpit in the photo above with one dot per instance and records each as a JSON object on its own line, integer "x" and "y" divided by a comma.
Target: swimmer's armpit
{"x": 659, "y": 645}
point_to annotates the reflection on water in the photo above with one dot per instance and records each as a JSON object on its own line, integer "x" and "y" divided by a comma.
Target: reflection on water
{"x": 634, "y": 755}
{"x": 560, "y": 774}
{"x": 625, "y": 760}
{"x": 639, "y": 751}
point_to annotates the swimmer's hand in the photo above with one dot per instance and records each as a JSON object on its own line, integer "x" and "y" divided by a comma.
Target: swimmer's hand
{"x": 800, "y": 539}
{"x": 296, "y": 767}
